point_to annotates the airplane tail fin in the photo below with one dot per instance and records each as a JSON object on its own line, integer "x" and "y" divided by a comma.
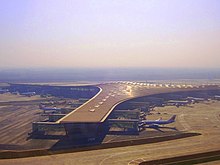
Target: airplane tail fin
{"x": 159, "y": 119}
{"x": 172, "y": 118}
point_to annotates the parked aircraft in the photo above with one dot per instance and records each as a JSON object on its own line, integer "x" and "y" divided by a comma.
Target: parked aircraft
{"x": 178, "y": 102}
{"x": 195, "y": 99}
{"x": 29, "y": 94}
{"x": 49, "y": 108}
{"x": 3, "y": 91}
{"x": 153, "y": 123}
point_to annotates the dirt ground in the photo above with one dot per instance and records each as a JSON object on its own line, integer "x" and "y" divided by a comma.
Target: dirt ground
{"x": 16, "y": 122}
{"x": 6, "y": 97}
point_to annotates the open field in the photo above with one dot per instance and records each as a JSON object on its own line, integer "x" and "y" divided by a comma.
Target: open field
{"x": 16, "y": 116}
{"x": 16, "y": 123}
{"x": 7, "y": 97}
{"x": 80, "y": 83}
{"x": 4, "y": 84}
{"x": 202, "y": 118}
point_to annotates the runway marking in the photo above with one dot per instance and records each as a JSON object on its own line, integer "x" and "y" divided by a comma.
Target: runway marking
{"x": 136, "y": 161}
{"x": 147, "y": 149}
{"x": 217, "y": 116}
{"x": 103, "y": 160}
{"x": 133, "y": 162}
{"x": 152, "y": 149}
{"x": 112, "y": 139}
{"x": 184, "y": 123}
{"x": 121, "y": 153}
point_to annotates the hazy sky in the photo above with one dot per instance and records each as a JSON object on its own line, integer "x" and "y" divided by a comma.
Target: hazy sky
{"x": 110, "y": 33}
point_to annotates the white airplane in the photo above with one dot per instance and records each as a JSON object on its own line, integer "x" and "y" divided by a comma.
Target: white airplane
{"x": 3, "y": 91}
{"x": 156, "y": 123}
{"x": 178, "y": 102}
{"x": 29, "y": 94}
{"x": 49, "y": 108}
{"x": 196, "y": 99}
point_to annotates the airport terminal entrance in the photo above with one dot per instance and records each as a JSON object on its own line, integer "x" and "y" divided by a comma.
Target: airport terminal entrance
{"x": 85, "y": 130}
{"x": 123, "y": 126}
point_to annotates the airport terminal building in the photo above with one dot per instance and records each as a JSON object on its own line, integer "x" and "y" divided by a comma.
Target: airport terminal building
{"x": 110, "y": 106}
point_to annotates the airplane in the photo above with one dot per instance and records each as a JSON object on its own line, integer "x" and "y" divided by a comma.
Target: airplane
{"x": 3, "y": 91}
{"x": 29, "y": 94}
{"x": 156, "y": 123}
{"x": 195, "y": 99}
{"x": 49, "y": 108}
{"x": 178, "y": 102}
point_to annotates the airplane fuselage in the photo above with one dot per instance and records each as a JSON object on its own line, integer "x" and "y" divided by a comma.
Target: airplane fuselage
{"x": 158, "y": 122}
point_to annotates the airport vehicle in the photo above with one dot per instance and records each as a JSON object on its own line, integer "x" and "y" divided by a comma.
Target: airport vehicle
{"x": 29, "y": 94}
{"x": 156, "y": 123}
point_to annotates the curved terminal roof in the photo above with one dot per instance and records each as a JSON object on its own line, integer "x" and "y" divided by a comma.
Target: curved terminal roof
{"x": 98, "y": 108}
